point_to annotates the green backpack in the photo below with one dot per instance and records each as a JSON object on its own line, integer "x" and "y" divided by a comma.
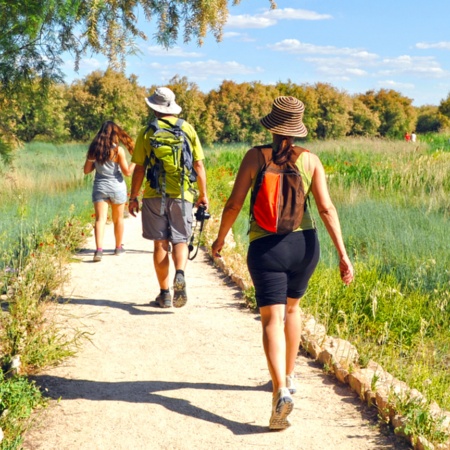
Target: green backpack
{"x": 171, "y": 163}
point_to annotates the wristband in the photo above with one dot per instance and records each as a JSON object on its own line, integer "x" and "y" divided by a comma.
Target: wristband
{"x": 134, "y": 199}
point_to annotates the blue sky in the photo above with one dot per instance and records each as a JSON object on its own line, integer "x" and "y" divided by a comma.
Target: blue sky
{"x": 354, "y": 45}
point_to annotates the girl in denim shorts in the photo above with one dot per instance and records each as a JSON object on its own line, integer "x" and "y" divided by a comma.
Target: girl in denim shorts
{"x": 108, "y": 159}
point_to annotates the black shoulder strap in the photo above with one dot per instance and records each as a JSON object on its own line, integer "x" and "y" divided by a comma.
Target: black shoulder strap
{"x": 153, "y": 125}
{"x": 177, "y": 124}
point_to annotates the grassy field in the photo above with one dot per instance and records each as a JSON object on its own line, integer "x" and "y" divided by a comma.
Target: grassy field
{"x": 46, "y": 183}
{"x": 393, "y": 200}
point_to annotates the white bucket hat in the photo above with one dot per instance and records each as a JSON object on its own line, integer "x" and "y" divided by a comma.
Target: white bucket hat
{"x": 163, "y": 101}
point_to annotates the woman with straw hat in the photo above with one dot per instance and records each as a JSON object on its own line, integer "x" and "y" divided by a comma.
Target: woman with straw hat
{"x": 281, "y": 265}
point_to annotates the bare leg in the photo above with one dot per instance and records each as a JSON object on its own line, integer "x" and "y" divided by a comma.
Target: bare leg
{"x": 272, "y": 319}
{"x": 161, "y": 262}
{"x": 292, "y": 331}
{"x": 101, "y": 214}
{"x": 117, "y": 217}
{"x": 180, "y": 255}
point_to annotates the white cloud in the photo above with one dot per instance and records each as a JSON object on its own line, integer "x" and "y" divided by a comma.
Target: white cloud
{"x": 204, "y": 69}
{"x": 231, "y": 34}
{"x": 352, "y": 62}
{"x": 175, "y": 52}
{"x": 242, "y": 37}
{"x": 248, "y": 21}
{"x": 271, "y": 17}
{"x": 439, "y": 45}
{"x": 294, "y": 46}
{"x": 411, "y": 65}
{"x": 395, "y": 84}
{"x": 294, "y": 14}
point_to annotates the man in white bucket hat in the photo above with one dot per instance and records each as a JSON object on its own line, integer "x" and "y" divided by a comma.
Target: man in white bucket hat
{"x": 167, "y": 205}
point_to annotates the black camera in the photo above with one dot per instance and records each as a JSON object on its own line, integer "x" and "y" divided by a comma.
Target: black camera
{"x": 201, "y": 214}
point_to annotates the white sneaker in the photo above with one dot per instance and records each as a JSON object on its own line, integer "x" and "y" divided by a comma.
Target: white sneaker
{"x": 290, "y": 383}
{"x": 282, "y": 406}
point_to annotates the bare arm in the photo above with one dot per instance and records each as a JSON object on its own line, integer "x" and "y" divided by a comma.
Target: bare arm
{"x": 330, "y": 218}
{"x": 136, "y": 183}
{"x": 89, "y": 165}
{"x": 126, "y": 169}
{"x": 201, "y": 183}
{"x": 233, "y": 206}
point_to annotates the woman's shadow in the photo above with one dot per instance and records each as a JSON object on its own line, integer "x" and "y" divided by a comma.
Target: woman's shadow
{"x": 148, "y": 392}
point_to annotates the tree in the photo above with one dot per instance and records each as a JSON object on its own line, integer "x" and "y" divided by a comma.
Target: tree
{"x": 431, "y": 120}
{"x": 35, "y": 115}
{"x": 334, "y": 112}
{"x": 195, "y": 110}
{"x": 34, "y": 33}
{"x": 444, "y": 107}
{"x": 396, "y": 113}
{"x": 102, "y": 96}
{"x": 238, "y": 109}
{"x": 365, "y": 122}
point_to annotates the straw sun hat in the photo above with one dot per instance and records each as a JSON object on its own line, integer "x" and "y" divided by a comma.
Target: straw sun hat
{"x": 163, "y": 101}
{"x": 286, "y": 117}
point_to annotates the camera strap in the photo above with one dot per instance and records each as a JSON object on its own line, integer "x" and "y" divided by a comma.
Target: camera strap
{"x": 191, "y": 245}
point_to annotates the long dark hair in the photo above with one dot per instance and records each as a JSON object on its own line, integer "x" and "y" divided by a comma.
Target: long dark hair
{"x": 282, "y": 149}
{"x": 104, "y": 145}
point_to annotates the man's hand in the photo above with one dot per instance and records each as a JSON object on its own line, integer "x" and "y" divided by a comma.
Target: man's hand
{"x": 203, "y": 201}
{"x": 133, "y": 206}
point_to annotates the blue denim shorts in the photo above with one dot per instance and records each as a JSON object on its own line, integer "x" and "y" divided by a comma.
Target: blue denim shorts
{"x": 114, "y": 197}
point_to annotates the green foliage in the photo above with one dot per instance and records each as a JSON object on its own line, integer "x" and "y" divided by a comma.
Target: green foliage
{"x": 238, "y": 109}
{"x": 430, "y": 120}
{"x": 334, "y": 112}
{"x": 395, "y": 111}
{"x": 419, "y": 421}
{"x": 194, "y": 108}
{"x": 365, "y": 122}
{"x": 34, "y": 34}
{"x": 18, "y": 398}
{"x": 444, "y": 107}
{"x": 105, "y": 96}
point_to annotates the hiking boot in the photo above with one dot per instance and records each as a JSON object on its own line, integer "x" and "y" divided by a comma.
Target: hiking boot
{"x": 282, "y": 406}
{"x": 179, "y": 291}
{"x": 290, "y": 383}
{"x": 164, "y": 300}
{"x": 119, "y": 250}
{"x": 98, "y": 256}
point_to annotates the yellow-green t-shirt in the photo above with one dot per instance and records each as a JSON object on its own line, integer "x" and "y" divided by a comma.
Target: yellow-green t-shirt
{"x": 256, "y": 232}
{"x": 142, "y": 151}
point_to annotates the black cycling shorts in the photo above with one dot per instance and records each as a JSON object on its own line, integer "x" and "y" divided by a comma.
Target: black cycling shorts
{"x": 281, "y": 265}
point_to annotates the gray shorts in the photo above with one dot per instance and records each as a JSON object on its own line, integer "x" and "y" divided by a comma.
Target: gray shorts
{"x": 172, "y": 225}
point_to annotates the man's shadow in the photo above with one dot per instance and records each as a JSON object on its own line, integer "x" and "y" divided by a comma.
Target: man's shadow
{"x": 148, "y": 392}
{"x": 130, "y": 308}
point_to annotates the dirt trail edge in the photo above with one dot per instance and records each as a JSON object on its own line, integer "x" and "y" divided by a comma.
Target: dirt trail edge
{"x": 188, "y": 378}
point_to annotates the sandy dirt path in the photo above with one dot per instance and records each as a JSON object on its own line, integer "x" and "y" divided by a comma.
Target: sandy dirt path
{"x": 188, "y": 378}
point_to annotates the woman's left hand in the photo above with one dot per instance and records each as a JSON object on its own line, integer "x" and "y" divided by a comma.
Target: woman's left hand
{"x": 346, "y": 270}
{"x": 217, "y": 248}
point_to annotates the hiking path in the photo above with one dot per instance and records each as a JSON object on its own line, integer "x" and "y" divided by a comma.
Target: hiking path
{"x": 188, "y": 378}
